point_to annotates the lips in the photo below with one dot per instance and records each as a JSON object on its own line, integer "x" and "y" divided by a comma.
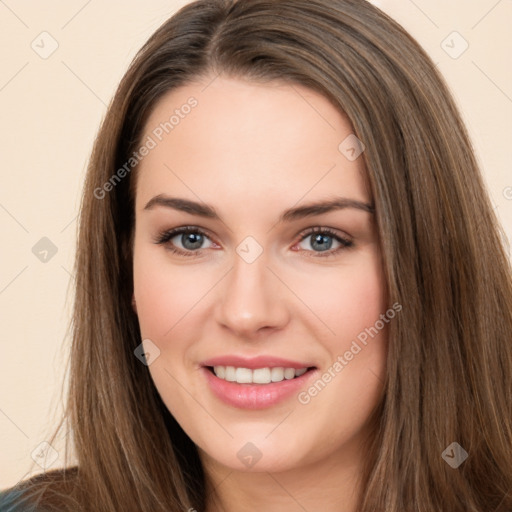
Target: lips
{"x": 236, "y": 380}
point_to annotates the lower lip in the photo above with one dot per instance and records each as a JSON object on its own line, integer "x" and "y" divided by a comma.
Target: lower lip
{"x": 255, "y": 396}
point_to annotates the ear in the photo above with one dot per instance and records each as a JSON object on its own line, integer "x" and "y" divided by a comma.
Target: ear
{"x": 134, "y": 304}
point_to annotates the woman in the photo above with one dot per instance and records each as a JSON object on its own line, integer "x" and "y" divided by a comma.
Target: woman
{"x": 292, "y": 292}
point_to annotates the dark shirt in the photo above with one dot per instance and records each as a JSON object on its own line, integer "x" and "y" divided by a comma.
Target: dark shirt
{"x": 12, "y": 500}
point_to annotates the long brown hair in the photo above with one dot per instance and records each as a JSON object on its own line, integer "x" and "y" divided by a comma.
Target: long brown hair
{"x": 449, "y": 369}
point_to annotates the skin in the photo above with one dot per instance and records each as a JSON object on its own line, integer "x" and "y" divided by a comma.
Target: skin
{"x": 252, "y": 151}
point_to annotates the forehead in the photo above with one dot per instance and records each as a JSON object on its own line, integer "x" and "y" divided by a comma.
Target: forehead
{"x": 274, "y": 141}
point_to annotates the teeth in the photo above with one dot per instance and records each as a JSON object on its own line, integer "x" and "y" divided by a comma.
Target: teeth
{"x": 289, "y": 373}
{"x": 220, "y": 372}
{"x": 260, "y": 375}
{"x": 277, "y": 374}
{"x": 230, "y": 374}
{"x": 243, "y": 375}
{"x": 257, "y": 376}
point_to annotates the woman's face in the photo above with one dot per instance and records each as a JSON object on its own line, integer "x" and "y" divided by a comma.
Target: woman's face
{"x": 258, "y": 288}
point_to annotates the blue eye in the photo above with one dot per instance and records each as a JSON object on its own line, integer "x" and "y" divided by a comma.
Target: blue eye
{"x": 322, "y": 239}
{"x": 192, "y": 238}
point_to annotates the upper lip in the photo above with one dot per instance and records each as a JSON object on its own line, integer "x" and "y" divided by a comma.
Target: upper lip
{"x": 255, "y": 362}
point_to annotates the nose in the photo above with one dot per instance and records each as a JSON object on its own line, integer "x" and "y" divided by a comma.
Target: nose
{"x": 252, "y": 300}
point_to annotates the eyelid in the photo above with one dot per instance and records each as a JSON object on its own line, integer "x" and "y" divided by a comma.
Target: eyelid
{"x": 324, "y": 229}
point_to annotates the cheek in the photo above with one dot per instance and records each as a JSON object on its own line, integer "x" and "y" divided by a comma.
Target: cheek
{"x": 165, "y": 293}
{"x": 345, "y": 300}
{"x": 152, "y": 293}
{"x": 351, "y": 381}
{"x": 362, "y": 300}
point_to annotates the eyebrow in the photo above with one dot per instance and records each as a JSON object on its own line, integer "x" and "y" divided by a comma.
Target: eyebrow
{"x": 292, "y": 214}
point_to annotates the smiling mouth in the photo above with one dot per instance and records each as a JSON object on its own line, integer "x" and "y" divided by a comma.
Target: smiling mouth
{"x": 265, "y": 375}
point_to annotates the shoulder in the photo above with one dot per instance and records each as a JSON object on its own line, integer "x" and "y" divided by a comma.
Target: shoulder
{"x": 15, "y": 500}
{"x": 27, "y": 496}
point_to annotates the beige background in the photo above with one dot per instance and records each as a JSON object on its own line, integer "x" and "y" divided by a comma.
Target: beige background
{"x": 50, "y": 111}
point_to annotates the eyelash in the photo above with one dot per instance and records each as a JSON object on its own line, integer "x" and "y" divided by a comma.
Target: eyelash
{"x": 165, "y": 236}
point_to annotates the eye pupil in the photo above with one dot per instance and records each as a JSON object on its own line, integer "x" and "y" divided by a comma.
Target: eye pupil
{"x": 325, "y": 241}
{"x": 196, "y": 240}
